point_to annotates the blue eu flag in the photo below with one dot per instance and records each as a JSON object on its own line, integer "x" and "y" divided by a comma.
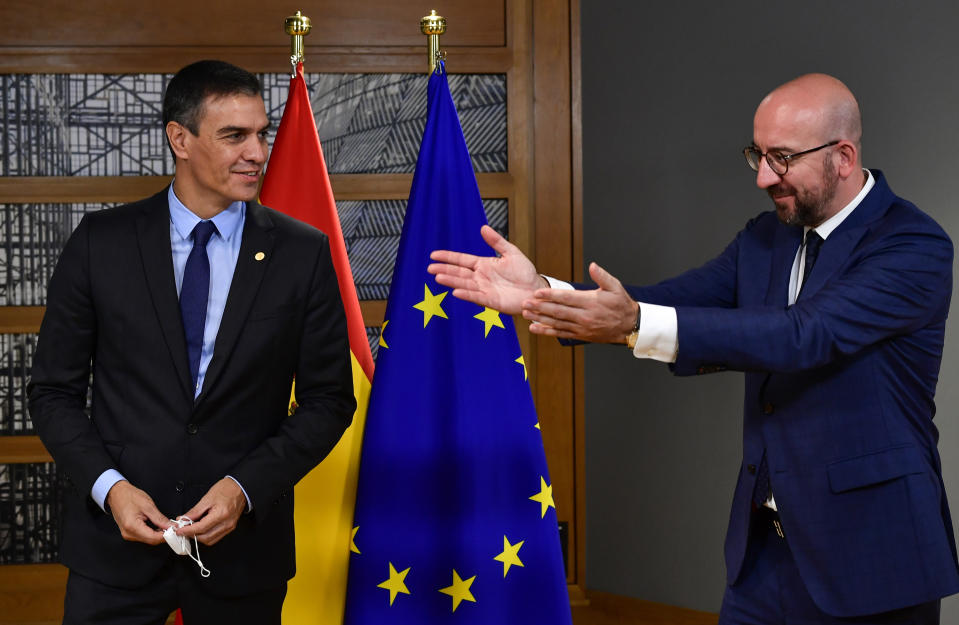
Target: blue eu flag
{"x": 454, "y": 521}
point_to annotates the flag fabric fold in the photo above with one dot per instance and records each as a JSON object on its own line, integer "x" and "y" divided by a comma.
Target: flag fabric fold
{"x": 297, "y": 184}
{"x": 455, "y": 520}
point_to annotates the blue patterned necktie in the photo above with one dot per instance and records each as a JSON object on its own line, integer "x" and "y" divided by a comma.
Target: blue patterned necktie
{"x": 194, "y": 294}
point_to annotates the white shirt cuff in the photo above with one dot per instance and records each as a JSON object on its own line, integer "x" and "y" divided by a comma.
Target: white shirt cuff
{"x": 558, "y": 284}
{"x": 658, "y": 333}
{"x": 101, "y": 488}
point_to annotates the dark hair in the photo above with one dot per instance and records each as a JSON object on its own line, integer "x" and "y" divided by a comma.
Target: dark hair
{"x": 192, "y": 85}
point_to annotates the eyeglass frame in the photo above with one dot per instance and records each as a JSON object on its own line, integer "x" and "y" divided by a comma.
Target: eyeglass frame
{"x": 785, "y": 157}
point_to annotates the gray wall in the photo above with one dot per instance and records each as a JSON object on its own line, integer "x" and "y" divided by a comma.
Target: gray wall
{"x": 669, "y": 91}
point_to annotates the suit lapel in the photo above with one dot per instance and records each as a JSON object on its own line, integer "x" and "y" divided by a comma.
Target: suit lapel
{"x": 784, "y": 253}
{"x": 834, "y": 252}
{"x": 840, "y": 244}
{"x": 257, "y": 238}
{"x": 153, "y": 238}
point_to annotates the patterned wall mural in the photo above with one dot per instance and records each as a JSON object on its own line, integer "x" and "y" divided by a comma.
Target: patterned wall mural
{"x": 109, "y": 125}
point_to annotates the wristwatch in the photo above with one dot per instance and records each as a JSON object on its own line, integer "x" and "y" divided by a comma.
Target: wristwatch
{"x": 634, "y": 335}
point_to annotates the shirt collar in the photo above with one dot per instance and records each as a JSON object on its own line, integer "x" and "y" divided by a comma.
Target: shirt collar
{"x": 184, "y": 220}
{"x": 825, "y": 228}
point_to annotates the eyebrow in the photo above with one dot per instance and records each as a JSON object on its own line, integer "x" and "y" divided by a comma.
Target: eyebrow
{"x": 780, "y": 149}
{"x": 229, "y": 130}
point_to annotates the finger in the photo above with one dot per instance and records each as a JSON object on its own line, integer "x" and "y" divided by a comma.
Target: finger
{"x": 214, "y": 535}
{"x": 160, "y": 520}
{"x": 204, "y": 522}
{"x": 546, "y": 330}
{"x": 552, "y": 314}
{"x": 564, "y": 297}
{"x": 198, "y": 514}
{"x": 139, "y": 531}
{"x": 470, "y": 295}
{"x": 456, "y": 280}
{"x": 459, "y": 259}
{"x": 557, "y": 325}
{"x": 456, "y": 271}
{"x": 604, "y": 279}
{"x": 496, "y": 241}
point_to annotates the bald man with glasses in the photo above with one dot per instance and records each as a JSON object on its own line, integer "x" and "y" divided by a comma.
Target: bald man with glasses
{"x": 834, "y": 305}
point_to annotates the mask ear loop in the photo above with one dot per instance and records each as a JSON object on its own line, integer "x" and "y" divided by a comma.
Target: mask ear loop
{"x": 204, "y": 572}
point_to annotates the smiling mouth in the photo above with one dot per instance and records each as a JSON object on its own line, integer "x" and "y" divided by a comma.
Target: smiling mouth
{"x": 252, "y": 175}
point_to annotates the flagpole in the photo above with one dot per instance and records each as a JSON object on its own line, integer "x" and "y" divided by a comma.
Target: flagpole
{"x": 433, "y": 26}
{"x": 296, "y": 27}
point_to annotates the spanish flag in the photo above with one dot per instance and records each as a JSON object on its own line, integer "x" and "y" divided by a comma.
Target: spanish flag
{"x": 297, "y": 184}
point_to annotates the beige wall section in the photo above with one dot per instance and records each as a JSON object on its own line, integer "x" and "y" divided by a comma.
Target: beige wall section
{"x": 534, "y": 43}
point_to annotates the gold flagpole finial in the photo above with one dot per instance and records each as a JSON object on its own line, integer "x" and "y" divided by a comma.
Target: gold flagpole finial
{"x": 296, "y": 27}
{"x": 433, "y": 26}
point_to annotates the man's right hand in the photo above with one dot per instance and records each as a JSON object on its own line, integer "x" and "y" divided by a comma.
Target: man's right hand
{"x": 134, "y": 511}
{"x": 500, "y": 282}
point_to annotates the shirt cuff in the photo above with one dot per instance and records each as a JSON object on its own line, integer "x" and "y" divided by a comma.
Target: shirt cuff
{"x": 249, "y": 504}
{"x": 658, "y": 333}
{"x": 101, "y": 488}
{"x": 558, "y": 284}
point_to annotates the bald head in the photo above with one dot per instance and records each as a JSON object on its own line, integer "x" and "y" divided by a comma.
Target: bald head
{"x": 813, "y": 121}
{"x": 818, "y": 106}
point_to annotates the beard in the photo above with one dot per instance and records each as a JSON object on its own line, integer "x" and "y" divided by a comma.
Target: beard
{"x": 811, "y": 206}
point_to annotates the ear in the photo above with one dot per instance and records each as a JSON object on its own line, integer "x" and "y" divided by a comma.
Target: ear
{"x": 848, "y": 158}
{"x": 177, "y": 135}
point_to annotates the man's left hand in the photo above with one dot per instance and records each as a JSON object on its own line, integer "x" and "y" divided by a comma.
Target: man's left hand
{"x": 603, "y": 315}
{"x": 216, "y": 514}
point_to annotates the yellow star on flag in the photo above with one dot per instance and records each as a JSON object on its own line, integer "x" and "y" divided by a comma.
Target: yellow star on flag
{"x": 490, "y": 318}
{"x": 353, "y": 547}
{"x": 431, "y": 305}
{"x": 460, "y": 590}
{"x": 544, "y": 496}
{"x": 523, "y": 362}
{"x": 383, "y": 334}
{"x": 510, "y": 555}
{"x": 395, "y": 583}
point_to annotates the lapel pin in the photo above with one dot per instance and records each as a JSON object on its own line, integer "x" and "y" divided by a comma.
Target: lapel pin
{"x": 259, "y": 256}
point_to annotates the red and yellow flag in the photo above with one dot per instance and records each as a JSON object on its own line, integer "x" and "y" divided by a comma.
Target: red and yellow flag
{"x": 297, "y": 184}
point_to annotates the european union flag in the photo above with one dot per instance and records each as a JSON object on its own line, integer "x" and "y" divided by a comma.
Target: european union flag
{"x": 455, "y": 521}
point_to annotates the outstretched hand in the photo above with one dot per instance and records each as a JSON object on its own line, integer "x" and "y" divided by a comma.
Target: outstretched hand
{"x": 604, "y": 315}
{"x": 500, "y": 282}
{"x": 135, "y": 513}
{"x": 216, "y": 514}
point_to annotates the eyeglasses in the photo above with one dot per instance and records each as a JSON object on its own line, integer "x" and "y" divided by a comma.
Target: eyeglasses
{"x": 778, "y": 162}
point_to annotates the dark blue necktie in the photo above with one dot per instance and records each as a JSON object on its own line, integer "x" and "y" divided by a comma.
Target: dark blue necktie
{"x": 761, "y": 490}
{"x": 813, "y": 243}
{"x": 194, "y": 294}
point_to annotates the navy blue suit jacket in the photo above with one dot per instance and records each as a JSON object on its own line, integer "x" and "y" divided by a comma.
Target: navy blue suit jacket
{"x": 839, "y": 396}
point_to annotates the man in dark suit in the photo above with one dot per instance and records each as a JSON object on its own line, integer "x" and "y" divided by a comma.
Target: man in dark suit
{"x": 196, "y": 308}
{"x": 835, "y": 306}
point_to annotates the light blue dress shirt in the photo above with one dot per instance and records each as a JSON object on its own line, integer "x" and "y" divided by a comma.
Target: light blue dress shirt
{"x": 222, "y": 250}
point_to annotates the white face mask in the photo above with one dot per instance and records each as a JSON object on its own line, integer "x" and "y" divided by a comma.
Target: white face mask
{"x": 181, "y": 544}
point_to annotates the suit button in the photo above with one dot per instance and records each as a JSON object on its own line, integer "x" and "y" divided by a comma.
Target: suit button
{"x": 192, "y": 428}
{"x": 768, "y": 408}
{"x": 751, "y": 468}
{"x": 179, "y": 487}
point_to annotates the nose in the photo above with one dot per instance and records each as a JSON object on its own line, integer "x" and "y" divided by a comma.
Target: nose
{"x": 256, "y": 149}
{"x": 766, "y": 177}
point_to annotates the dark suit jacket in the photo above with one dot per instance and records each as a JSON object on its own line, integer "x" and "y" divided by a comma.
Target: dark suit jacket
{"x": 113, "y": 303}
{"x": 839, "y": 396}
